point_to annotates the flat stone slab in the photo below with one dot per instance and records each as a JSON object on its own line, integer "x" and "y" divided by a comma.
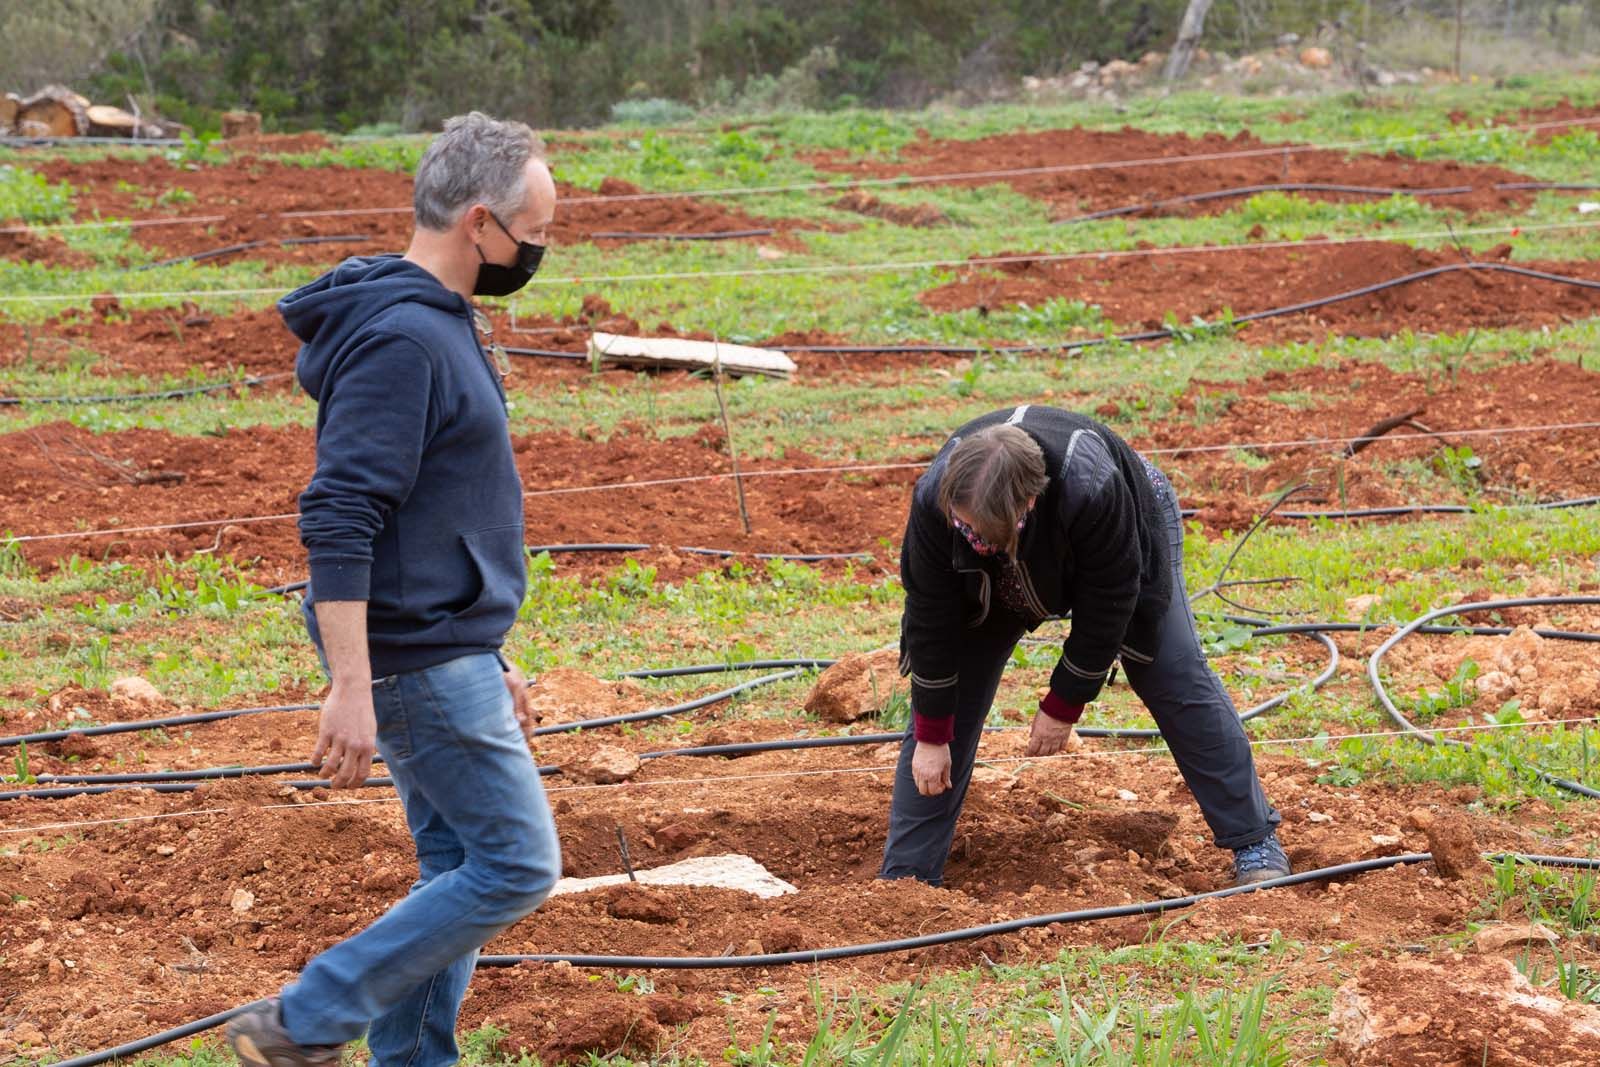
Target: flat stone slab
{"x": 713, "y": 872}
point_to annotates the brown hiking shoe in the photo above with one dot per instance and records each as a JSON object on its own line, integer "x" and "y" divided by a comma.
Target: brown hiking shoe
{"x": 258, "y": 1038}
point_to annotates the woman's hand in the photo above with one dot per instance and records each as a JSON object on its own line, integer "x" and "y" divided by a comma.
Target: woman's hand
{"x": 1048, "y": 736}
{"x": 930, "y": 768}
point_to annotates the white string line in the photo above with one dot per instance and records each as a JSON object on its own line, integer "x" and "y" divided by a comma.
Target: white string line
{"x": 1490, "y": 431}
{"x": 152, "y": 529}
{"x": 893, "y": 266}
{"x": 1023, "y": 761}
{"x": 918, "y": 179}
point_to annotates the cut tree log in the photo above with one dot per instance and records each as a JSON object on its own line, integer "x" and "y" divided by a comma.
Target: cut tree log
{"x": 690, "y": 355}
{"x": 240, "y": 124}
{"x": 54, "y": 111}
{"x": 108, "y": 121}
{"x": 10, "y": 104}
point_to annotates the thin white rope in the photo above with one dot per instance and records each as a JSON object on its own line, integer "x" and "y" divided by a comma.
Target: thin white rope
{"x": 893, "y": 266}
{"x": 688, "y": 479}
{"x": 1023, "y": 763}
{"x": 910, "y": 179}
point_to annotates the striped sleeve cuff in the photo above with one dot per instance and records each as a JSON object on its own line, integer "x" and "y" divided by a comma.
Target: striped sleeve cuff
{"x": 933, "y": 730}
{"x": 1060, "y": 710}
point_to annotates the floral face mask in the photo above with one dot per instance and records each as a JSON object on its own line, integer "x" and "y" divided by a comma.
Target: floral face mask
{"x": 979, "y": 545}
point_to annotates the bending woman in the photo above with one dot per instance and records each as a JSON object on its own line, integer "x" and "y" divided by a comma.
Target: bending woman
{"x": 1033, "y": 512}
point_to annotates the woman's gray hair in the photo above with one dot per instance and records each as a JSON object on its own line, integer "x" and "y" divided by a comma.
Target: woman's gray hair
{"x": 476, "y": 160}
{"x": 991, "y": 475}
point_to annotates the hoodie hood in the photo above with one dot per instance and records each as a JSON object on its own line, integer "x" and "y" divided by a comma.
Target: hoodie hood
{"x": 329, "y": 312}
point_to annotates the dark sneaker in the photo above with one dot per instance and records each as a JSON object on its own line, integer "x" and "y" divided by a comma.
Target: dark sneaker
{"x": 258, "y": 1038}
{"x": 1258, "y": 862}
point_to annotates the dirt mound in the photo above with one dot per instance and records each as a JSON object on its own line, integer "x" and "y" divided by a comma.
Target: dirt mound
{"x": 44, "y": 250}
{"x": 1576, "y": 117}
{"x": 283, "y": 143}
{"x": 1336, "y": 403}
{"x": 565, "y": 695}
{"x": 1458, "y": 1012}
{"x": 1550, "y": 679}
{"x": 158, "y": 342}
{"x": 919, "y": 215}
{"x": 63, "y": 477}
{"x": 1143, "y": 290}
{"x": 1074, "y": 192}
{"x": 252, "y": 195}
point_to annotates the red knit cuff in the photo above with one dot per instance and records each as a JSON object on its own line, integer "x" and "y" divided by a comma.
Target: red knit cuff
{"x": 931, "y": 731}
{"x": 1059, "y": 709}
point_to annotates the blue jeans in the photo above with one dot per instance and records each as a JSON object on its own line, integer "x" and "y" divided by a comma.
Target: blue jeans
{"x": 487, "y": 853}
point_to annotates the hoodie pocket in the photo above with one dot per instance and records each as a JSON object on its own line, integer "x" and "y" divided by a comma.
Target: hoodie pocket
{"x": 496, "y": 555}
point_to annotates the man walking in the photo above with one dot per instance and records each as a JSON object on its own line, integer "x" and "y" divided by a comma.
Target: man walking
{"x": 413, "y": 525}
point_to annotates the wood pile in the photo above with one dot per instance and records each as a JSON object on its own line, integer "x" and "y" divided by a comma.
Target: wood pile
{"x": 56, "y": 111}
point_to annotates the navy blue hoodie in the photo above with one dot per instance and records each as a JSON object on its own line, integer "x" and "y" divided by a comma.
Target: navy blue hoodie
{"x": 415, "y": 507}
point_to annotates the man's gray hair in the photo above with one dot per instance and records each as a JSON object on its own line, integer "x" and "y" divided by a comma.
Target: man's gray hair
{"x": 476, "y": 160}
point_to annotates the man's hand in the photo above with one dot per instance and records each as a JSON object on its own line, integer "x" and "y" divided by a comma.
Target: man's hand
{"x": 930, "y": 768}
{"x": 347, "y": 735}
{"x": 517, "y": 686}
{"x": 1048, "y": 736}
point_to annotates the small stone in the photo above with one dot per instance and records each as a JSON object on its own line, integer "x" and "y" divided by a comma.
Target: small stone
{"x": 166, "y": 850}
{"x": 858, "y": 685}
{"x": 136, "y": 690}
{"x": 606, "y": 765}
{"x": 1127, "y": 795}
{"x": 1386, "y": 840}
{"x": 1496, "y": 937}
{"x": 1357, "y": 608}
{"x": 1420, "y": 818}
{"x": 242, "y": 901}
{"x": 1319, "y": 816}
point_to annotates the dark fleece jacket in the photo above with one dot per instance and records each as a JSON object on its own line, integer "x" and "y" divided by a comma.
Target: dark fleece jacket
{"x": 1094, "y": 547}
{"x": 416, "y": 506}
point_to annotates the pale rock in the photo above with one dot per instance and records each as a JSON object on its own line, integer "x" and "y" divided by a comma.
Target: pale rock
{"x": 1498, "y": 936}
{"x": 1447, "y": 1011}
{"x": 242, "y": 901}
{"x": 1319, "y": 816}
{"x": 1357, "y": 608}
{"x": 860, "y": 684}
{"x": 606, "y": 765}
{"x": 1556, "y": 700}
{"x": 1127, "y": 795}
{"x": 1496, "y": 685}
{"x": 136, "y": 690}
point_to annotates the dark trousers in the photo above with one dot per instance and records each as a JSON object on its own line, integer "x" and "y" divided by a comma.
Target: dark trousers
{"x": 1194, "y": 713}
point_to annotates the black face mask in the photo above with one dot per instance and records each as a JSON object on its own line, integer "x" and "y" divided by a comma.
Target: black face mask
{"x": 494, "y": 279}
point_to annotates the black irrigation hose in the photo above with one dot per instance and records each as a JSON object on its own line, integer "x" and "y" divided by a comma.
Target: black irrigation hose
{"x": 630, "y": 546}
{"x": 839, "y": 952}
{"x": 246, "y": 246}
{"x": 1433, "y": 509}
{"x": 148, "y": 724}
{"x": 1165, "y": 333}
{"x": 675, "y": 709}
{"x": 1375, "y": 675}
{"x": 1009, "y": 926}
{"x": 172, "y": 786}
{"x": 715, "y": 235}
{"x": 1273, "y": 187}
{"x": 1260, "y": 709}
{"x": 546, "y": 353}
{"x": 1569, "y": 187}
{"x": 130, "y": 398}
{"x": 724, "y": 668}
